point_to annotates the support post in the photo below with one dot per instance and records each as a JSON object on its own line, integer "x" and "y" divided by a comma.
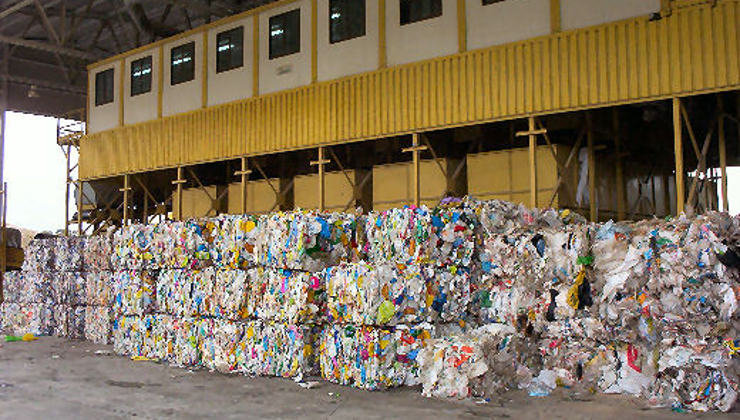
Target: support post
{"x": 244, "y": 174}
{"x": 125, "y": 190}
{"x": 532, "y": 164}
{"x": 5, "y": 241}
{"x": 321, "y": 162}
{"x": 177, "y": 204}
{"x": 415, "y": 151}
{"x": 145, "y": 215}
{"x": 722, "y": 157}
{"x": 79, "y": 206}
{"x": 619, "y": 169}
{"x": 678, "y": 153}
{"x": 66, "y": 191}
{"x": 591, "y": 168}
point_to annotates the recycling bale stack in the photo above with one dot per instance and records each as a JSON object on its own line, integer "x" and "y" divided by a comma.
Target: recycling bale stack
{"x": 415, "y": 280}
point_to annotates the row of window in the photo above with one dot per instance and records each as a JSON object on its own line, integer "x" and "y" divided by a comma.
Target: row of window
{"x": 346, "y": 21}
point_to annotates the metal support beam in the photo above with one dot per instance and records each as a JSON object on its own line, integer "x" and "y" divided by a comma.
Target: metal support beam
{"x": 619, "y": 169}
{"x": 321, "y": 162}
{"x": 125, "y": 190}
{"x": 16, "y": 7}
{"x": 45, "y": 84}
{"x": 43, "y": 46}
{"x": 177, "y": 205}
{"x": 593, "y": 215}
{"x": 532, "y": 164}
{"x": 678, "y": 153}
{"x": 79, "y": 206}
{"x": 722, "y": 155}
{"x": 244, "y": 174}
{"x": 415, "y": 151}
{"x": 66, "y": 190}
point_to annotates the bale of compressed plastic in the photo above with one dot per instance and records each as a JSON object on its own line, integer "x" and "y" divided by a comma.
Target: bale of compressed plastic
{"x": 219, "y": 344}
{"x": 384, "y": 294}
{"x": 97, "y": 253}
{"x": 230, "y": 293}
{"x": 285, "y": 295}
{"x": 39, "y": 255}
{"x": 99, "y": 287}
{"x": 150, "y": 336}
{"x": 22, "y": 318}
{"x": 307, "y": 240}
{"x": 236, "y": 240}
{"x": 287, "y": 350}
{"x": 138, "y": 247}
{"x": 98, "y": 324}
{"x": 184, "y": 340}
{"x": 29, "y": 287}
{"x": 186, "y": 293}
{"x": 415, "y": 235}
{"x": 68, "y": 253}
{"x": 372, "y": 358}
{"x": 134, "y": 292}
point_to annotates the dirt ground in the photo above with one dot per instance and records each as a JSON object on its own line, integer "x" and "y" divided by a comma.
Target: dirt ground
{"x": 68, "y": 380}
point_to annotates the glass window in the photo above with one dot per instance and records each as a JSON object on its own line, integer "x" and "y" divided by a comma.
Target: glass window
{"x": 141, "y": 76}
{"x": 285, "y": 34}
{"x": 487, "y": 2}
{"x": 346, "y": 19}
{"x": 104, "y": 87}
{"x": 230, "y": 49}
{"x": 418, "y": 10}
{"x": 182, "y": 64}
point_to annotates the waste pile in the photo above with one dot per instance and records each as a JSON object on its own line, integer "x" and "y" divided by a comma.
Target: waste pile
{"x": 468, "y": 299}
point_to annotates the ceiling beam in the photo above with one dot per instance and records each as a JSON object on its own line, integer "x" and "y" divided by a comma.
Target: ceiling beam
{"x": 16, "y": 7}
{"x": 43, "y": 46}
{"x": 46, "y": 84}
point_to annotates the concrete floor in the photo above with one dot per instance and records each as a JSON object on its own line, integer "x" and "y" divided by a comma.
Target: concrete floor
{"x": 67, "y": 379}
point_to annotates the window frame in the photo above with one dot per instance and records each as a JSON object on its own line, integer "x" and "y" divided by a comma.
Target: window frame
{"x": 141, "y": 80}
{"x": 406, "y": 4}
{"x": 232, "y": 63}
{"x": 490, "y": 2}
{"x": 107, "y": 79}
{"x": 272, "y": 54}
{"x": 332, "y": 28}
{"x": 188, "y": 47}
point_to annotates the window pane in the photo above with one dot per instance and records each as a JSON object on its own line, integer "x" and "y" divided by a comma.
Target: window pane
{"x": 346, "y": 19}
{"x": 229, "y": 49}
{"x": 141, "y": 76}
{"x": 417, "y": 10}
{"x": 285, "y": 34}
{"x": 104, "y": 87}
{"x": 182, "y": 64}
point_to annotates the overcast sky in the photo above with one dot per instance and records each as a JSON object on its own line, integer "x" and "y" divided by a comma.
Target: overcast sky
{"x": 34, "y": 171}
{"x": 35, "y": 166}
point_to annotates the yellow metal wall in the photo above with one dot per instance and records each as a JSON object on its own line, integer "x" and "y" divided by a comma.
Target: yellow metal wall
{"x": 195, "y": 202}
{"x": 260, "y": 197}
{"x": 338, "y": 192}
{"x": 393, "y": 184}
{"x": 693, "y": 50}
{"x": 504, "y": 175}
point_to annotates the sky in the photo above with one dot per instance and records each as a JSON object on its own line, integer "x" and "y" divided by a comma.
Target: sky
{"x": 35, "y": 168}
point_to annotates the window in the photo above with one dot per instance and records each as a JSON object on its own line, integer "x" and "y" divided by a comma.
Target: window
{"x": 346, "y": 19}
{"x": 229, "y": 49}
{"x": 418, "y": 10}
{"x": 141, "y": 76}
{"x": 183, "y": 64}
{"x": 487, "y": 2}
{"x": 285, "y": 34}
{"x": 104, "y": 87}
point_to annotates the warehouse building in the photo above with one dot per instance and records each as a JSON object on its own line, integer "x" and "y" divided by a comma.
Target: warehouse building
{"x": 616, "y": 109}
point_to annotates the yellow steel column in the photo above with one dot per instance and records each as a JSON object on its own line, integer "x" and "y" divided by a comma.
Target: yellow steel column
{"x": 121, "y": 93}
{"x": 678, "y": 153}
{"x": 417, "y": 175}
{"x": 555, "y": 20}
{"x": 255, "y": 55}
{"x": 145, "y": 216}
{"x": 66, "y": 195}
{"x": 314, "y": 37}
{"x": 177, "y": 204}
{"x": 462, "y": 28}
{"x": 723, "y": 162}
{"x": 619, "y": 171}
{"x": 79, "y": 206}
{"x": 204, "y": 66}
{"x": 382, "y": 57}
{"x": 532, "y": 164}
{"x": 160, "y": 81}
{"x": 125, "y": 190}
{"x": 593, "y": 215}
{"x": 320, "y": 163}
{"x": 244, "y": 173}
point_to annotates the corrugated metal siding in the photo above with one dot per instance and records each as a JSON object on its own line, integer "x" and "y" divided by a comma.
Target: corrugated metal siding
{"x": 694, "y": 50}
